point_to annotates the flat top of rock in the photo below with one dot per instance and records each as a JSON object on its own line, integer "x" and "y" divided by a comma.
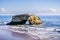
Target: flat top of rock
{"x": 23, "y": 15}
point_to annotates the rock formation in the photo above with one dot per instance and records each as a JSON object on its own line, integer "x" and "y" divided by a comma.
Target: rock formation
{"x": 21, "y": 19}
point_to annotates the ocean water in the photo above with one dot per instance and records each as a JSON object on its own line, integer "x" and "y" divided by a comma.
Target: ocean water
{"x": 49, "y": 30}
{"x": 50, "y": 21}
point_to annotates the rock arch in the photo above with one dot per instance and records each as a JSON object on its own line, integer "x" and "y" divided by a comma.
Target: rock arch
{"x": 21, "y": 19}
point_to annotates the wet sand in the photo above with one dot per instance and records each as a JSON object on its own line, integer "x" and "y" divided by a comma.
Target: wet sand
{"x": 8, "y": 35}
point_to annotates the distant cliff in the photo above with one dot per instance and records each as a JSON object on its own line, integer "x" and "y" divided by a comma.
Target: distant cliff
{"x": 21, "y": 19}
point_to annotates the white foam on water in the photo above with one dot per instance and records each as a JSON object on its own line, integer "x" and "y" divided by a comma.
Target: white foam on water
{"x": 35, "y": 32}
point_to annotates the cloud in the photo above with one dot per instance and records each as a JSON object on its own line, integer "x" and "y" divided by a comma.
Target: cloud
{"x": 51, "y": 10}
{"x": 2, "y": 10}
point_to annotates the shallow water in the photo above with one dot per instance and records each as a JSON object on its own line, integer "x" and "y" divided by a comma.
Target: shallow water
{"x": 6, "y": 34}
{"x": 50, "y": 30}
{"x": 43, "y": 34}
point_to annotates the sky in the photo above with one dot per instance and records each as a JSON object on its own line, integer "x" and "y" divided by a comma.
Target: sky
{"x": 37, "y": 7}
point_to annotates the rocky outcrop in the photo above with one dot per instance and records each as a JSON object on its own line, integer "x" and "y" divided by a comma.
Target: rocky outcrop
{"x": 21, "y": 19}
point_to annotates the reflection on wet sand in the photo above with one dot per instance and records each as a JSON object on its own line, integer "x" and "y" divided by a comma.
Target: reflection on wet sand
{"x": 8, "y": 35}
{"x": 22, "y": 36}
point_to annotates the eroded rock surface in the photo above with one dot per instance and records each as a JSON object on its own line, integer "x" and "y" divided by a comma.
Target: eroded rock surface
{"x": 34, "y": 20}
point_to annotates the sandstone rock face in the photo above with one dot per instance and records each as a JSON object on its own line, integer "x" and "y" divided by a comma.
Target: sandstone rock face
{"x": 34, "y": 20}
{"x": 21, "y": 19}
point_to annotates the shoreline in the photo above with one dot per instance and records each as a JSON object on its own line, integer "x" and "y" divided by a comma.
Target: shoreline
{"x": 34, "y": 33}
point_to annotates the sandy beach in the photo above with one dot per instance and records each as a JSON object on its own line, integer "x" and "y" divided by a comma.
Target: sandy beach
{"x": 42, "y": 33}
{"x": 8, "y": 35}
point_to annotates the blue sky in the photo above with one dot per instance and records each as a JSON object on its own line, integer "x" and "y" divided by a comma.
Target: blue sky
{"x": 39, "y": 7}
